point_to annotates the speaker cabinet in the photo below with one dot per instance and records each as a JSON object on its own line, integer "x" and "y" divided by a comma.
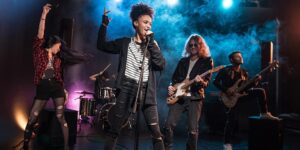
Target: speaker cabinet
{"x": 265, "y": 134}
{"x": 50, "y": 133}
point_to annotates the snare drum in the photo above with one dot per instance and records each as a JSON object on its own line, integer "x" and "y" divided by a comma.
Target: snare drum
{"x": 87, "y": 107}
{"x": 106, "y": 93}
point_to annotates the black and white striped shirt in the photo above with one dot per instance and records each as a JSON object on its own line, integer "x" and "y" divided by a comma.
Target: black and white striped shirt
{"x": 134, "y": 62}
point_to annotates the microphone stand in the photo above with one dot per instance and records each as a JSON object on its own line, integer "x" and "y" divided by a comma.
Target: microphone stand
{"x": 138, "y": 98}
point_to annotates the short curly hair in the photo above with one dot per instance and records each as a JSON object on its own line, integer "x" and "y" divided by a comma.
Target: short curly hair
{"x": 140, "y": 9}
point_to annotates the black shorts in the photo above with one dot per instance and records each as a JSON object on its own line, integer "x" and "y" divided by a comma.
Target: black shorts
{"x": 49, "y": 88}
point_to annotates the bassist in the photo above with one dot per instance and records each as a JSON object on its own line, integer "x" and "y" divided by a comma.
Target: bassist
{"x": 225, "y": 80}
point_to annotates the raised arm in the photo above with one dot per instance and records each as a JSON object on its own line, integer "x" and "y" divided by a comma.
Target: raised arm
{"x": 94, "y": 76}
{"x": 102, "y": 44}
{"x": 39, "y": 40}
{"x": 45, "y": 12}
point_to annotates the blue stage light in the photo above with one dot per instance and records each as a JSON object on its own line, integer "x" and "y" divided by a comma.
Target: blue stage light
{"x": 172, "y": 2}
{"x": 227, "y": 4}
{"x": 118, "y": 1}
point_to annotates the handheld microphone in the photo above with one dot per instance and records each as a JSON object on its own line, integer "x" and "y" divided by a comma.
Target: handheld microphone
{"x": 149, "y": 35}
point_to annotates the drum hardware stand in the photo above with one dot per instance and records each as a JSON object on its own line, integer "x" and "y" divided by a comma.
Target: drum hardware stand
{"x": 82, "y": 118}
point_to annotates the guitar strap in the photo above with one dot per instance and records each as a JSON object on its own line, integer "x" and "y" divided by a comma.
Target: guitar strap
{"x": 242, "y": 74}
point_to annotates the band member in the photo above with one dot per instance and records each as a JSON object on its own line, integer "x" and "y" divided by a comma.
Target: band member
{"x": 225, "y": 79}
{"x": 131, "y": 54}
{"x": 47, "y": 78}
{"x": 102, "y": 80}
{"x": 197, "y": 60}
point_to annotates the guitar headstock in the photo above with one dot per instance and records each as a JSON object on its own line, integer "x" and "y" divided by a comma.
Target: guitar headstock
{"x": 274, "y": 65}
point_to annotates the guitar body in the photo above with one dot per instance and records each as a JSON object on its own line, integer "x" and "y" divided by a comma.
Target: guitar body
{"x": 180, "y": 91}
{"x": 230, "y": 100}
{"x": 182, "y": 88}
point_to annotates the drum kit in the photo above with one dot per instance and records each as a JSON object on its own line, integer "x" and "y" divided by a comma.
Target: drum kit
{"x": 101, "y": 108}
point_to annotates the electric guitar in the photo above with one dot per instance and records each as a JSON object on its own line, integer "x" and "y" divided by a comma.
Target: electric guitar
{"x": 231, "y": 100}
{"x": 182, "y": 88}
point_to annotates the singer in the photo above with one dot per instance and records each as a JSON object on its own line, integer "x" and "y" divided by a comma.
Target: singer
{"x": 131, "y": 52}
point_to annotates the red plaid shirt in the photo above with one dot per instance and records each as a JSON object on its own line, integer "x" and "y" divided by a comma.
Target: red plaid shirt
{"x": 40, "y": 60}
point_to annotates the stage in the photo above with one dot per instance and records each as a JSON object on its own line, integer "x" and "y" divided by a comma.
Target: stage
{"x": 91, "y": 139}
{"x": 64, "y": 46}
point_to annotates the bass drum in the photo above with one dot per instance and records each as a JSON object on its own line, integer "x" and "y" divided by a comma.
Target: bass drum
{"x": 105, "y": 115}
{"x": 87, "y": 107}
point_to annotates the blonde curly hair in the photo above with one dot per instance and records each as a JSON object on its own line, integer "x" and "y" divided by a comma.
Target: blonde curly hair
{"x": 203, "y": 49}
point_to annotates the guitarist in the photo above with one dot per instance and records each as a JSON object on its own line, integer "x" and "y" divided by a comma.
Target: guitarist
{"x": 225, "y": 79}
{"x": 196, "y": 60}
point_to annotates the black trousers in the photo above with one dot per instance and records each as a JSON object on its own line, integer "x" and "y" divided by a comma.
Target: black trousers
{"x": 125, "y": 99}
{"x": 193, "y": 109}
{"x": 232, "y": 114}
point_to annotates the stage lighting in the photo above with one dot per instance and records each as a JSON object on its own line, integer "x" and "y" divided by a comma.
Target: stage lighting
{"x": 227, "y": 4}
{"x": 118, "y": 1}
{"x": 172, "y": 2}
{"x": 20, "y": 115}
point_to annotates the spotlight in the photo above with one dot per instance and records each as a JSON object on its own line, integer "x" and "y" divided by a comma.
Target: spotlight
{"x": 227, "y": 4}
{"x": 172, "y": 2}
{"x": 20, "y": 114}
{"x": 118, "y": 1}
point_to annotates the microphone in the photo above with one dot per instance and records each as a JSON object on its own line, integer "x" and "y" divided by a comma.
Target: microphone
{"x": 149, "y": 34}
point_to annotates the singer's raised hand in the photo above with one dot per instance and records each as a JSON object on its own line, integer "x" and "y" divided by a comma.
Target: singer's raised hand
{"x": 46, "y": 9}
{"x": 105, "y": 19}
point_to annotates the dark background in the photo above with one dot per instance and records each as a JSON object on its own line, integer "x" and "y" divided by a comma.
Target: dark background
{"x": 243, "y": 28}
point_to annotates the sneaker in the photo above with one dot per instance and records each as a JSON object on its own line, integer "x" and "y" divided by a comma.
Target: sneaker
{"x": 227, "y": 147}
{"x": 269, "y": 116}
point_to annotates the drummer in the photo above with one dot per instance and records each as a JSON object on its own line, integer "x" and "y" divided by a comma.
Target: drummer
{"x": 102, "y": 80}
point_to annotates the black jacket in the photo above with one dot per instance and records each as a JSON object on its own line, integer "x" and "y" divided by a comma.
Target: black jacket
{"x": 202, "y": 65}
{"x": 227, "y": 78}
{"x": 120, "y": 46}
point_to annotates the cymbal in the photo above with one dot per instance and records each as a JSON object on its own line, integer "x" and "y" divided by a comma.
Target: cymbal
{"x": 84, "y": 92}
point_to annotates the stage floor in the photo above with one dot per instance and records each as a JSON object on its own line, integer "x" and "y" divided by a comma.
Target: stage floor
{"x": 89, "y": 139}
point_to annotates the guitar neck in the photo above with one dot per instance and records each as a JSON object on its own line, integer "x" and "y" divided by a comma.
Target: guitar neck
{"x": 243, "y": 86}
{"x": 193, "y": 81}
